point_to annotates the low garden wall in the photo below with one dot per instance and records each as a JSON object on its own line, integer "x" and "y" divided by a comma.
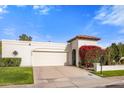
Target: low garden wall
{"x": 97, "y": 67}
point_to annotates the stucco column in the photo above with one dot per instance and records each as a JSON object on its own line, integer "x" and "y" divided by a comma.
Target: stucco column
{"x": 77, "y": 57}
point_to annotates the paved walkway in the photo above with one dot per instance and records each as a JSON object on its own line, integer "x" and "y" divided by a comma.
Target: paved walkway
{"x": 66, "y": 77}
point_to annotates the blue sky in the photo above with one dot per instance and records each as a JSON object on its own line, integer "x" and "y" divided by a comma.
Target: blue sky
{"x": 60, "y": 23}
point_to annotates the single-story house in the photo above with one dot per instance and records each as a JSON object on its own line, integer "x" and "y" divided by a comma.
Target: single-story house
{"x": 47, "y": 53}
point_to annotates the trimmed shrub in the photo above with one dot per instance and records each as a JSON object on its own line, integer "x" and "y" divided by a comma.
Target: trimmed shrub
{"x": 90, "y": 55}
{"x": 10, "y": 62}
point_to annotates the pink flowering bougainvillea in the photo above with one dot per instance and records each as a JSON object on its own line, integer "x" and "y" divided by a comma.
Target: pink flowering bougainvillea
{"x": 89, "y": 55}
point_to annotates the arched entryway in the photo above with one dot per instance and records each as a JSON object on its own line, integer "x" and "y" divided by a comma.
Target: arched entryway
{"x": 74, "y": 57}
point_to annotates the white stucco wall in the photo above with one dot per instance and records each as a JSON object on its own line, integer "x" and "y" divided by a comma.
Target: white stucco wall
{"x": 25, "y": 50}
{"x": 86, "y": 42}
{"x": 97, "y": 67}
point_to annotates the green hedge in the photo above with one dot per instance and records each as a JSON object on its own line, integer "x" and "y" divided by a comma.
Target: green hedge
{"x": 10, "y": 62}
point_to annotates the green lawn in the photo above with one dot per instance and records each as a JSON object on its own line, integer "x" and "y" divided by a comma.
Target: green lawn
{"x": 16, "y": 75}
{"x": 111, "y": 73}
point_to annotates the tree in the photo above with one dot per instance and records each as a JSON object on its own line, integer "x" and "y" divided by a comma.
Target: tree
{"x": 121, "y": 49}
{"x": 0, "y": 48}
{"x": 24, "y": 37}
{"x": 114, "y": 52}
{"x": 107, "y": 58}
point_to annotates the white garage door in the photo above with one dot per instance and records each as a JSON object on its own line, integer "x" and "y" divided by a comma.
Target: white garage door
{"x": 49, "y": 58}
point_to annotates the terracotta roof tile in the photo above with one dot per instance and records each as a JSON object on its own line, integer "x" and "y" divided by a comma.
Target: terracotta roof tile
{"x": 84, "y": 37}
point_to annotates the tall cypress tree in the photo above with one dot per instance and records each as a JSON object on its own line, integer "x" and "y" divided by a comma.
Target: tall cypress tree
{"x": 121, "y": 49}
{"x": 114, "y": 52}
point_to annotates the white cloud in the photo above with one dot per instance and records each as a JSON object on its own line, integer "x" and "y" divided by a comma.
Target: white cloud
{"x": 90, "y": 29}
{"x": 20, "y": 5}
{"x": 106, "y": 43}
{"x": 89, "y": 26}
{"x": 48, "y": 37}
{"x": 9, "y": 31}
{"x": 121, "y": 31}
{"x": 94, "y": 33}
{"x": 113, "y": 15}
{"x": 42, "y": 9}
{"x": 1, "y": 17}
{"x": 3, "y": 9}
{"x": 35, "y": 37}
{"x": 40, "y": 37}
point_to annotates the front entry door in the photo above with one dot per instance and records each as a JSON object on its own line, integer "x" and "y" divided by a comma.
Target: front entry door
{"x": 74, "y": 57}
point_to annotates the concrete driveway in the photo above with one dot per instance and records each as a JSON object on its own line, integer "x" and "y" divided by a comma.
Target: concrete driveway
{"x": 65, "y": 77}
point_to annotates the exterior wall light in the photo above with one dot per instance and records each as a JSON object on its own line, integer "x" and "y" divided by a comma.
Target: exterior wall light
{"x": 15, "y": 53}
{"x": 29, "y": 44}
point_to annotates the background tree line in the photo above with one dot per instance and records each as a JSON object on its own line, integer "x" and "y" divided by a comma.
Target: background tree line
{"x": 114, "y": 54}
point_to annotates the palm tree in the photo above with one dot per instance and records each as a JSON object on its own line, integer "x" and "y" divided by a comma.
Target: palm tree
{"x": 24, "y": 37}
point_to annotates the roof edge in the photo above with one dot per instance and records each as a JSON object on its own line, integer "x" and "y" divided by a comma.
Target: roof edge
{"x": 85, "y": 37}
